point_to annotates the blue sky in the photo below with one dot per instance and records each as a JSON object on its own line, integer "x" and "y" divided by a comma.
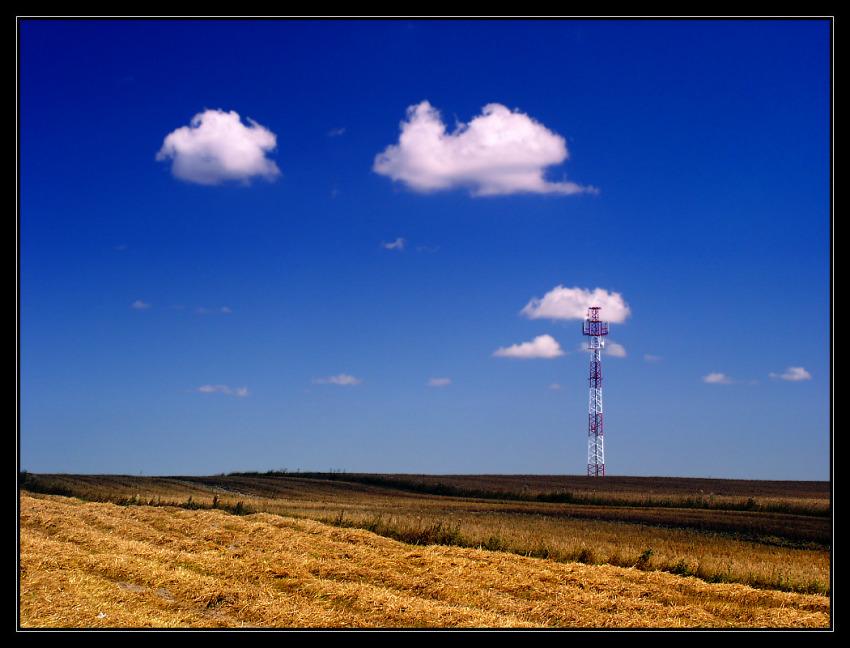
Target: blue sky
{"x": 368, "y": 245}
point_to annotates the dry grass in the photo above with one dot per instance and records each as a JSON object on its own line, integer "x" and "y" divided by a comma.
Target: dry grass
{"x": 714, "y": 558}
{"x": 102, "y": 565}
{"x": 784, "y": 551}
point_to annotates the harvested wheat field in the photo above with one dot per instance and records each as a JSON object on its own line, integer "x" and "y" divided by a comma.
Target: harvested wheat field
{"x": 100, "y": 565}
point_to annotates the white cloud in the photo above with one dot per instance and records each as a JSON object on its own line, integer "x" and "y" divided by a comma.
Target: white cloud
{"x": 499, "y": 152}
{"x": 572, "y": 303}
{"x": 217, "y": 147}
{"x": 717, "y": 378}
{"x": 398, "y": 244}
{"x": 341, "y": 379}
{"x": 140, "y": 305}
{"x": 223, "y": 389}
{"x": 543, "y": 346}
{"x": 794, "y": 374}
{"x": 439, "y": 382}
{"x": 615, "y": 349}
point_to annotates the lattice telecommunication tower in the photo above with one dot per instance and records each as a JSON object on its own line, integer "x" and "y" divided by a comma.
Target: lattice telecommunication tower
{"x": 595, "y": 330}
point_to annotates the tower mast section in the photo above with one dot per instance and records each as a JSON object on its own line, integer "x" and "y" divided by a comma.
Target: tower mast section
{"x": 595, "y": 330}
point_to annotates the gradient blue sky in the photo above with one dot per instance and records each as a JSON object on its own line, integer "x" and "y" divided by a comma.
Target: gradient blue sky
{"x": 288, "y": 283}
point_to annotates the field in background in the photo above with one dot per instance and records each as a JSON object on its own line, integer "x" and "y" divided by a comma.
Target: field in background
{"x": 668, "y": 538}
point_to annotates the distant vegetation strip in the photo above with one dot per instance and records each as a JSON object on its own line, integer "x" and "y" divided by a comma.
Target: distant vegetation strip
{"x": 41, "y": 486}
{"x": 441, "y": 488}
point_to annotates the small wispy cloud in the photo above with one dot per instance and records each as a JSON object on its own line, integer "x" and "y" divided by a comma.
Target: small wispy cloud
{"x": 648, "y": 357}
{"x": 217, "y": 147}
{"x": 439, "y": 382}
{"x": 224, "y": 389}
{"x": 572, "y": 304}
{"x": 793, "y": 374}
{"x": 140, "y": 305}
{"x": 499, "y": 152}
{"x": 206, "y": 311}
{"x": 543, "y": 346}
{"x": 398, "y": 244}
{"x": 341, "y": 379}
{"x": 717, "y": 378}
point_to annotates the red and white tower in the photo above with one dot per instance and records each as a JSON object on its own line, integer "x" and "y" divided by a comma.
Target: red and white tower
{"x": 595, "y": 330}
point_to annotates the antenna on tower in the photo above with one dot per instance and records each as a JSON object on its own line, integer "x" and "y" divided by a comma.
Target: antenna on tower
{"x": 595, "y": 330}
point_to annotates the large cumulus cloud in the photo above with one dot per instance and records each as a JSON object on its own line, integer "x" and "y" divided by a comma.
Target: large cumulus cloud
{"x": 499, "y": 152}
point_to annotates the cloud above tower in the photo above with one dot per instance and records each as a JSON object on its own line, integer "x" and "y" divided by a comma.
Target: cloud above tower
{"x": 218, "y": 147}
{"x": 572, "y": 303}
{"x": 499, "y": 152}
